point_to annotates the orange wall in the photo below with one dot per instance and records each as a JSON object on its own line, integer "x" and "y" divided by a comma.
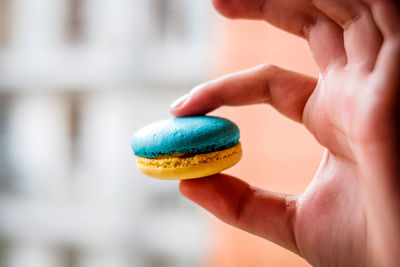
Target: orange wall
{"x": 279, "y": 155}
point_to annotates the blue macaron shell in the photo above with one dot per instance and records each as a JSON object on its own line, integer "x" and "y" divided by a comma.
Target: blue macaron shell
{"x": 202, "y": 134}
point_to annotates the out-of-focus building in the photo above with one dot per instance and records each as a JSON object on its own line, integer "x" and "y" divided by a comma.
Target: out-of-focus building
{"x": 77, "y": 77}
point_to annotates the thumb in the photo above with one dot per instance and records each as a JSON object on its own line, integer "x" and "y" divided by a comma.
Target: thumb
{"x": 266, "y": 214}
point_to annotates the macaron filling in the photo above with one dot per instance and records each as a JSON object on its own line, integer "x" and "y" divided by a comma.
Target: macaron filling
{"x": 187, "y": 159}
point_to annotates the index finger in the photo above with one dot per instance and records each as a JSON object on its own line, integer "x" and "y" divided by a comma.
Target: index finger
{"x": 287, "y": 91}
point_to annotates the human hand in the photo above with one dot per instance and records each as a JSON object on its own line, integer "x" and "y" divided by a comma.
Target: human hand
{"x": 350, "y": 213}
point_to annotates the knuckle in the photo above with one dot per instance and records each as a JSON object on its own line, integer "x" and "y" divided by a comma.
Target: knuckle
{"x": 268, "y": 68}
{"x": 309, "y": 25}
{"x": 242, "y": 203}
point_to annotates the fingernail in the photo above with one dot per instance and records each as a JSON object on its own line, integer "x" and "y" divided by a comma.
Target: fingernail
{"x": 178, "y": 103}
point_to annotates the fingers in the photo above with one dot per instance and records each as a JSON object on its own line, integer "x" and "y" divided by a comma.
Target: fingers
{"x": 299, "y": 17}
{"x": 387, "y": 69}
{"x": 362, "y": 38}
{"x": 387, "y": 16}
{"x": 286, "y": 91}
{"x": 266, "y": 214}
{"x": 339, "y": 32}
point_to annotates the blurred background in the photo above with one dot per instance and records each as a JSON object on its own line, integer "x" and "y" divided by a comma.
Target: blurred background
{"x": 77, "y": 78}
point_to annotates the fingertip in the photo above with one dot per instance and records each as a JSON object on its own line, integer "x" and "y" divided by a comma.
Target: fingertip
{"x": 182, "y": 107}
{"x": 192, "y": 105}
{"x": 219, "y": 194}
{"x": 224, "y": 7}
{"x": 195, "y": 188}
{"x": 185, "y": 187}
{"x": 175, "y": 111}
{"x": 219, "y": 5}
{"x": 179, "y": 102}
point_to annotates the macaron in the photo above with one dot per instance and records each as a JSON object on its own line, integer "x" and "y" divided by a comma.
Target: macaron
{"x": 187, "y": 147}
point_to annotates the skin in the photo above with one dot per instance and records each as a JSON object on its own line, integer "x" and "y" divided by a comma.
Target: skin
{"x": 349, "y": 215}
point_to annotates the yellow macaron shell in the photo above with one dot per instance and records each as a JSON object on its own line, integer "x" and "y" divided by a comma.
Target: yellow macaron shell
{"x": 182, "y": 166}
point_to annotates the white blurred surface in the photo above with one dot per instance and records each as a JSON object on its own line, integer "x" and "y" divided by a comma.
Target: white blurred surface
{"x": 77, "y": 78}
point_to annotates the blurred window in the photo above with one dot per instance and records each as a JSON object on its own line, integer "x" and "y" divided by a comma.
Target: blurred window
{"x": 73, "y": 85}
{"x": 6, "y": 180}
{"x": 169, "y": 19}
{"x": 4, "y": 21}
{"x": 74, "y": 21}
{"x": 74, "y": 108}
{"x": 70, "y": 256}
{"x": 3, "y": 251}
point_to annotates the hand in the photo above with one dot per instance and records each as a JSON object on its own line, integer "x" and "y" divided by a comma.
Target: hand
{"x": 350, "y": 213}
